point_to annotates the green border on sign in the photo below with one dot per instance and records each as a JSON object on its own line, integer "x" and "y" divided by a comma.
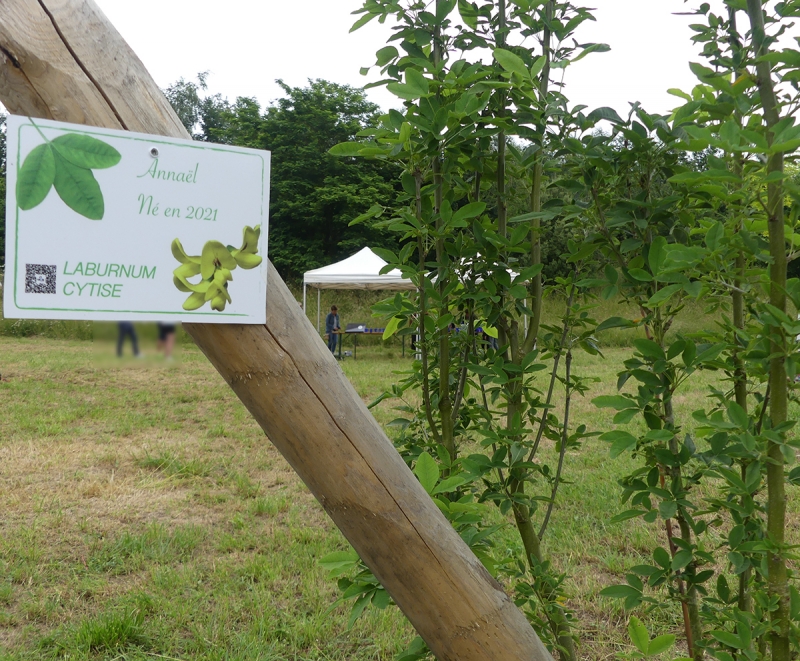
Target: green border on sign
{"x": 156, "y": 140}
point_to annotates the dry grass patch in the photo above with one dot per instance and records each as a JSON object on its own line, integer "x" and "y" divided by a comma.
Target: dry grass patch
{"x": 144, "y": 512}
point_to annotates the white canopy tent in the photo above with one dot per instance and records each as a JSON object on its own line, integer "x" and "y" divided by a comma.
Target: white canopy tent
{"x": 360, "y": 271}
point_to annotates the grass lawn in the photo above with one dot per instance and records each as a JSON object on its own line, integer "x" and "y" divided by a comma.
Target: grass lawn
{"x": 146, "y": 516}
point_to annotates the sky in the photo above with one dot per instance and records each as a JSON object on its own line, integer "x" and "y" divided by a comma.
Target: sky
{"x": 246, "y": 45}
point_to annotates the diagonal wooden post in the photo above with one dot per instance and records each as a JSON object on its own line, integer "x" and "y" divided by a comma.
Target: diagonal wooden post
{"x": 63, "y": 60}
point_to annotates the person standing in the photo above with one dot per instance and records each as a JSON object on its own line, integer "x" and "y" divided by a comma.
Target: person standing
{"x": 331, "y": 326}
{"x": 126, "y": 329}
{"x": 166, "y": 339}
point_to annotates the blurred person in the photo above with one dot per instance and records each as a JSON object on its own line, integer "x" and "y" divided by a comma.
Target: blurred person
{"x": 126, "y": 329}
{"x": 166, "y": 339}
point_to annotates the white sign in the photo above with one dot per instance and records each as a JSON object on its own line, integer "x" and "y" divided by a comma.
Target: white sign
{"x": 120, "y": 226}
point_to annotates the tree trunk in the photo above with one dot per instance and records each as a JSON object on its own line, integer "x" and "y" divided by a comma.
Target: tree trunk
{"x": 778, "y": 577}
{"x": 62, "y": 60}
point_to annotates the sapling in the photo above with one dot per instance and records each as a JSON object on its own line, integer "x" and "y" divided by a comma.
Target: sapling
{"x": 474, "y": 266}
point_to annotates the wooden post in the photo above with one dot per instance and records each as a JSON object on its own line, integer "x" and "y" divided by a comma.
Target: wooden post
{"x": 63, "y": 60}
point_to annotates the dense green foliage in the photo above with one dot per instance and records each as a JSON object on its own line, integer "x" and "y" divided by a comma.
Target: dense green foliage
{"x": 314, "y": 195}
{"x": 695, "y": 204}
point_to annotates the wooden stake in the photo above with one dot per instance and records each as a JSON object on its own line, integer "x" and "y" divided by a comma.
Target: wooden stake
{"x": 63, "y": 60}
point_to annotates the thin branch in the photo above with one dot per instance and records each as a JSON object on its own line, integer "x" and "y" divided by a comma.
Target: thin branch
{"x": 563, "y": 448}
{"x": 553, "y": 376}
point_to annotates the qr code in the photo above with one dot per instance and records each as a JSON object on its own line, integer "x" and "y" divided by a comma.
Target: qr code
{"x": 40, "y": 279}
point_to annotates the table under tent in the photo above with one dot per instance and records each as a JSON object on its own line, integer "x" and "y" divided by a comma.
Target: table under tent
{"x": 360, "y": 271}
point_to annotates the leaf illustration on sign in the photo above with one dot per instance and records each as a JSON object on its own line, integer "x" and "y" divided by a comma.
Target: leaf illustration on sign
{"x": 35, "y": 177}
{"x": 78, "y": 188}
{"x": 214, "y": 266}
{"x": 66, "y": 163}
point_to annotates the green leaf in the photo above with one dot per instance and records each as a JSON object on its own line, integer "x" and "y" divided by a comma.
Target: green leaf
{"x": 680, "y": 94}
{"x": 649, "y": 349}
{"x": 627, "y": 514}
{"x": 730, "y": 133}
{"x": 659, "y": 435}
{"x": 660, "y": 644}
{"x": 794, "y": 603}
{"x": 619, "y": 591}
{"x": 391, "y": 327}
{"x": 638, "y": 633}
{"x": 346, "y": 149}
{"x": 711, "y": 353}
{"x": 35, "y": 177}
{"x": 625, "y": 416}
{"x": 615, "y": 322}
{"x": 714, "y": 235}
{"x": 358, "y": 608}
{"x": 406, "y": 92}
{"x": 381, "y": 599}
{"x": 450, "y": 484}
{"x": 592, "y": 48}
{"x": 723, "y": 589}
{"x": 537, "y": 66}
{"x": 617, "y": 402}
{"x": 469, "y": 14}
{"x": 443, "y": 8}
{"x": 703, "y": 73}
{"x": 427, "y": 471}
{"x": 693, "y": 289}
{"x": 417, "y": 81}
{"x": 668, "y": 509}
{"x": 386, "y": 55}
{"x": 79, "y": 190}
{"x": 339, "y": 562}
{"x": 640, "y": 274}
{"x": 663, "y": 295}
{"x": 687, "y": 177}
{"x": 656, "y": 254}
{"x": 511, "y": 62}
{"x": 681, "y": 559}
{"x": 727, "y": 638}
{"x": 86, "y": 151}
{"x": 366, "y": 18}
{"x": 620, "y": 442}
{"x": 470, "y": 210}
{"x": 609, "y": 114}
{"x": 737, "y": 415}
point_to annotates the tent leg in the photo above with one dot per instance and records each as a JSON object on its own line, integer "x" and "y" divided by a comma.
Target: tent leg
{"x": 304, "y": 298}
{"x": 319, "y": 325}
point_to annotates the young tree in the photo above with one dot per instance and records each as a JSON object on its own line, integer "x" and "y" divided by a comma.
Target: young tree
{"x": 741, "y": 116}
{"x": 459, "y": 139}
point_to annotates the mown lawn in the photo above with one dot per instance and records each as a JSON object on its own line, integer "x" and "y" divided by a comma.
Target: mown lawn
{"x": 146, "y": 516}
